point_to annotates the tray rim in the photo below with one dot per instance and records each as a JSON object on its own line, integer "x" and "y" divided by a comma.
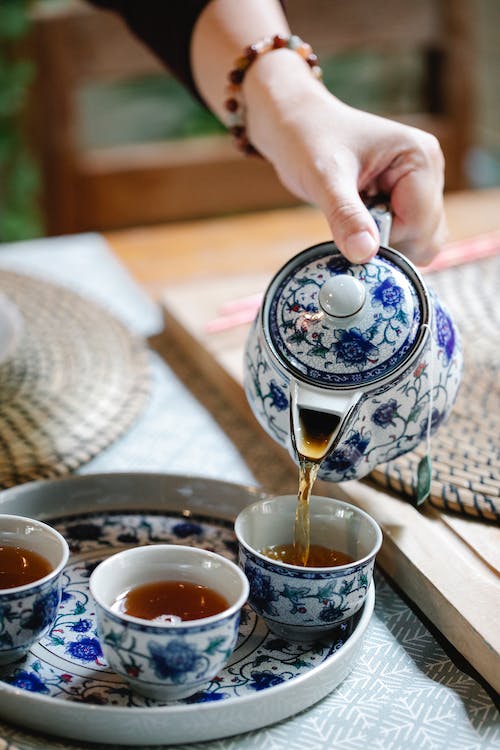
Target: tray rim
{"x": 96, "y": 730}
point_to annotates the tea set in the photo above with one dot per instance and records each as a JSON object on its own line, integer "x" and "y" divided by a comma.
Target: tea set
{"x": 369, "y": 345}
{"x": 372, "y": 345}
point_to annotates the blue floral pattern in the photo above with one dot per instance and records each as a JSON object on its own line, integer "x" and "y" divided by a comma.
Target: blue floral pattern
{"x": 353, "y": 348}
{"x": 329, "y": 350}
{"x": 445, "y": 332}
{"x": 313, "y": 600}
{"x": 388, "y": 293}
{"x": 345, "y": 459}
{"x": 383, "y": 416}
{"x": 175, "y": 660}
{"x": 69, "y": 665}
{"x": 389, "y": 420}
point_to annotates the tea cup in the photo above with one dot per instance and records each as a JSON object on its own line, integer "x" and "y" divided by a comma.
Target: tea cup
{"x": 167, "y": 660}
{"x": 306, "y": 603}
{"x": 28, "y": 610}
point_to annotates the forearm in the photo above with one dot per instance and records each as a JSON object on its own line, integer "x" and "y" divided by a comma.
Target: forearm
{"x": 222, "y": 32}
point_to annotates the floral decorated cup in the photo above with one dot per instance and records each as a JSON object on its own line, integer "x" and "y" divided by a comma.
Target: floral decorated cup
{"x": 27, "y": 611}
{"x": 167, "y": 660}
{"x": 298, "y": 603}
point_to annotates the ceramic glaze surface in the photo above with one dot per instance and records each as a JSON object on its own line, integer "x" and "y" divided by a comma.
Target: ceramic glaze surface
{"x": 308, "y": 605}
{"x": 70, "y": 662}
{"x": 392, "y": 414}
{"x": 25, "y": 618}
{"x": 28, "y": 611}
{"x": 305, "y": 603}
{"x": 171, "y": 660}
{"x": 338, "y": 351}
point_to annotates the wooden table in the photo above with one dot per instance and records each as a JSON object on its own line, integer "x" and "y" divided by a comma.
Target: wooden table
{"x": 258, "y": 242}
{"x": 448, "y": 566}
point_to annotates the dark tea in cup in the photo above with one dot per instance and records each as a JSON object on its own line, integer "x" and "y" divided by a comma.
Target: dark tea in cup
{"x": 19, "y": 566}
{"x": 170, "y": 601}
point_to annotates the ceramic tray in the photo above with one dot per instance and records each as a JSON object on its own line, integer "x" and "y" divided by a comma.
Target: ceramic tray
{"x": 64, "y": 686}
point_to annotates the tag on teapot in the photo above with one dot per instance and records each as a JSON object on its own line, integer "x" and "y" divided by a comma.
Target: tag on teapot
{"x": 424, "y": 477}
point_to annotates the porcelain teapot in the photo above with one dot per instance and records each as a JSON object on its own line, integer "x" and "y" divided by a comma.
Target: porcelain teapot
{"x": 351, "y": 365}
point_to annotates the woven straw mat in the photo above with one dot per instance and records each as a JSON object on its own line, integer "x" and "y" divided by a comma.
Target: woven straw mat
{"x": 465, "y": 451}
{"x": 76, "y": 381}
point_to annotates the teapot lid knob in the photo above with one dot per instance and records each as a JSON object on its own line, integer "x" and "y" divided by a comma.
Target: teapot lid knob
{"x": 342, "y": 296}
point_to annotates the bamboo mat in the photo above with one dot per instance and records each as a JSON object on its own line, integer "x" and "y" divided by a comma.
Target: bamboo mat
{"x": 75, "y": 382}
{"x": 465, "y": 451}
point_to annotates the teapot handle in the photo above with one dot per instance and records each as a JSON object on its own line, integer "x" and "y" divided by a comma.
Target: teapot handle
{"x": 380, "y": 210}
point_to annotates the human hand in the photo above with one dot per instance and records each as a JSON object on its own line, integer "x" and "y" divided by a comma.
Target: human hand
{"x": 328, "y": 153}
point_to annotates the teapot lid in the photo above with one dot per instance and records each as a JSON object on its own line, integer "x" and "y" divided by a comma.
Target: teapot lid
{"x": 342, "y": 325}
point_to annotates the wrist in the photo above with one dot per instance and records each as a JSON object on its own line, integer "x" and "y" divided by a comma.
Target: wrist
{"x": 268, "y": 76}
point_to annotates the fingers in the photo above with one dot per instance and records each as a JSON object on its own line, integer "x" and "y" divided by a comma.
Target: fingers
{"x": 415, "y": 183}
{"x": 353, "y": 228}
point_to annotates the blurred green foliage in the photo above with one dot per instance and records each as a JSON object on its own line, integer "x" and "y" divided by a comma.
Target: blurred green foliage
{"x": 19, "y": 217}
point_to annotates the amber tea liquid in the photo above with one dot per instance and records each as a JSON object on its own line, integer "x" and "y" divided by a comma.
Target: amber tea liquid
{"x": 318, "y": 557}
{"x": 313, "y": 438}
{"x": 19, "y": 566}
{"x": 170, "y": 601}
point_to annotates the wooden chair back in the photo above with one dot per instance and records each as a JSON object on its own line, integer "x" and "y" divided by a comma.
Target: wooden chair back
{"x": 106, "y": 188}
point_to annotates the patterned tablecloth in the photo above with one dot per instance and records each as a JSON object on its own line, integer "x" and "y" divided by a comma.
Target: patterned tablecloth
{"x": 404, "y": 691}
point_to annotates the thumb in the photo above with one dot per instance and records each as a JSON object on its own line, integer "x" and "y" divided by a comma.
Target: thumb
{"x": 353, "y": 228}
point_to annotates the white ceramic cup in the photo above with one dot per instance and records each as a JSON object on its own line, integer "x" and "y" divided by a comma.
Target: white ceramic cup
{"x": 298, "y": 603}
{"x": 27, "y": 612}
{"x": 167, "y": 661}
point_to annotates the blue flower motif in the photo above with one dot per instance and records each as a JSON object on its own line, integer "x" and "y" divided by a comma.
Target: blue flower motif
{"x": 187, "y": 528}
{"x": 128, "y": 537}
{"x": 388, "y": 293}
{"x": 278, "y": 398}
{"x": 348, "y": 456}
{"x": 81, "y": 626}
{"x": 85, "y": 649}
{"x": 445, "y": 332}
{"x": 84, "y": 532}
{"x": 263, "y": 680}
{"x": 384, "y": 414}
{"x": 262, "y": 593}
{"x": 206, "y": 697}
{"x": 174, "y": 660}
{"x": 28, "y": 681}
{"x": 331, "y": 613}
{"x": 338, "y": 264}
{"x": 352, "y": 348}
{"x": 436, "y": 419}
{"x": 43, "y": 612}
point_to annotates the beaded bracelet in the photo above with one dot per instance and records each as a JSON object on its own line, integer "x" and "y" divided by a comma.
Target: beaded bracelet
{"x": 235, "y": 104}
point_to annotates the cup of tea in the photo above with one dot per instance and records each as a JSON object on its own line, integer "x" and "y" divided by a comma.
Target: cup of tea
{"x": 306, "y": 603}
{"x": 32, "y": 558}
{"x": 168, "y": 616}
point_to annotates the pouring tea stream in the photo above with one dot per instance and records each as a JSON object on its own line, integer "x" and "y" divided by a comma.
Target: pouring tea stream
{"x": 339, "y": 361}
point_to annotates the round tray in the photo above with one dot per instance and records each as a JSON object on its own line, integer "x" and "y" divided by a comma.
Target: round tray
{"x": 68, "y": 688}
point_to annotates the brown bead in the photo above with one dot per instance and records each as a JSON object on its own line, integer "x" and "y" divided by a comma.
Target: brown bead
{"x": 241, "y": 63}
{"x": 238, "y": 131}
{"x": 279, "y": 41}
{"x": 231, "y": 105}
{"x": 236, "y": 76}
{"x": 312, "y": 59}
{"x": 250, "y": 150}
{"x": 251, "y": 53}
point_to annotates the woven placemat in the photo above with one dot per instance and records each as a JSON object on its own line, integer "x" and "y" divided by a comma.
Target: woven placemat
{"x": 466, "y": 450}
{"x": 76, "y": 381}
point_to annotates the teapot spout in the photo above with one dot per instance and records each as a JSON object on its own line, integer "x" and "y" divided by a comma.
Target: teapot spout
{"x": 318, "y": 419}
